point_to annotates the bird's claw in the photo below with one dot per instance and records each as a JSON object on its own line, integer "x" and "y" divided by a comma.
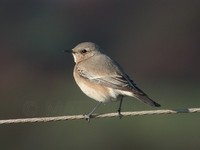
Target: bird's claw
{"x": 119, "y": 114}
{"x": 87, "y": 117}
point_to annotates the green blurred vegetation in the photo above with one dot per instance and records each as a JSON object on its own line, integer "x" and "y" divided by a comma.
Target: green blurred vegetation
{"x": 157, "y": 42}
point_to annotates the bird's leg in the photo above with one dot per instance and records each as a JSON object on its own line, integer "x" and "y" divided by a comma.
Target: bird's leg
{"x": 119, "y": 109}
{"x": 88, "y": 116}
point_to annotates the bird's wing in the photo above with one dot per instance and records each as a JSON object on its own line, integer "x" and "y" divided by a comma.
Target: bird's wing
{"x": 116, "y": 80}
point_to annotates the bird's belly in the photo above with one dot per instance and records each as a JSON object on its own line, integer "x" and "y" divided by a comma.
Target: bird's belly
{"x": 98, "y": 92}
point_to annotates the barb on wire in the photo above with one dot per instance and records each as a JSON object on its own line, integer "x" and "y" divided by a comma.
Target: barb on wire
{"x": 107, "y": 115}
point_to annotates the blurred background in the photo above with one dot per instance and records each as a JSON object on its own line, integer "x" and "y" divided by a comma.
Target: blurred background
{"x": 156, "y": 42}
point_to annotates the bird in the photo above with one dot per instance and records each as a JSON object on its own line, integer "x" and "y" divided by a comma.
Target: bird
{"x": 103, "y": 79}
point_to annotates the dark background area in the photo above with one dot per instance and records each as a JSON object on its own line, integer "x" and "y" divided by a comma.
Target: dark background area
{"x": 157, "y": 43}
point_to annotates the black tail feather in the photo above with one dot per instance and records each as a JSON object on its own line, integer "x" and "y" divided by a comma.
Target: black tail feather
{"x": 147, "y": 100}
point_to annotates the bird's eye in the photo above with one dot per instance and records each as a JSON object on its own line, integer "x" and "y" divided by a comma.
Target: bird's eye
{"x": 84, "y": 51}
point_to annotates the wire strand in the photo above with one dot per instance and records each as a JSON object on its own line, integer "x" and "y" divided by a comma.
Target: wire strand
{"x": 107, "y": 115}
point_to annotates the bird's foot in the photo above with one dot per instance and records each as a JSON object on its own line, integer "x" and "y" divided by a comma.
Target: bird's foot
{"x": 87, "y": 117}
{"x": 119, "y": 114}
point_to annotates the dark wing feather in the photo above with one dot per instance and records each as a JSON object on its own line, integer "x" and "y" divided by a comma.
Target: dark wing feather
{"x": 115, "y": 81}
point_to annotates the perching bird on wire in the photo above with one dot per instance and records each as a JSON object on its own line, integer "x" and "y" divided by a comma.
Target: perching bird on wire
{"x": 103, "y": 79}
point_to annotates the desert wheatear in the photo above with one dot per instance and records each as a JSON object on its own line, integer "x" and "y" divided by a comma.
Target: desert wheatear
{"x": 103, "y": 79}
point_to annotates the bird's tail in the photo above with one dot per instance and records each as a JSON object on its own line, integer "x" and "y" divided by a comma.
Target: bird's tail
{"x": 147, "y": 100}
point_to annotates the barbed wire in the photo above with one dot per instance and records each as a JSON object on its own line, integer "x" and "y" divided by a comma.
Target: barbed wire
{"x": 107, "y": 115}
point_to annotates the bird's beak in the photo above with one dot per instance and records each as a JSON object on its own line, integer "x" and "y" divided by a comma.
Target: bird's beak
{"x": 68, "y": 51}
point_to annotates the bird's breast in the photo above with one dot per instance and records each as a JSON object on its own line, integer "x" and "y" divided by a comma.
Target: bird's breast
{"x": 94, "y": 90}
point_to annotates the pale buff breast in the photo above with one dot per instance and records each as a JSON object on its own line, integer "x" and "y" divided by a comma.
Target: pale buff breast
{"x": 95, "y": 91}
